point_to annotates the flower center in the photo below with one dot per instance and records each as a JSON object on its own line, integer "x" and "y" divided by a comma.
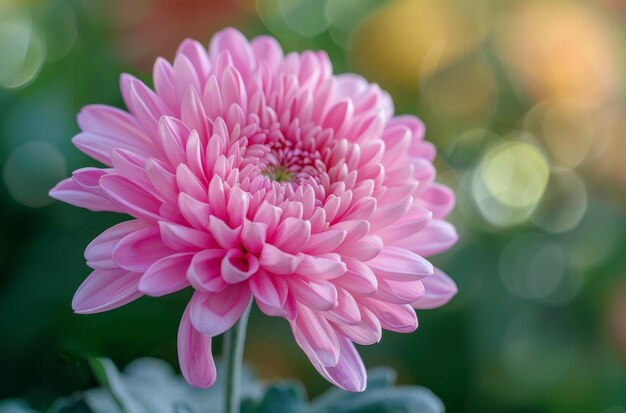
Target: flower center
{"x": 289, "y": 161}
{"x": 278, "y": 173}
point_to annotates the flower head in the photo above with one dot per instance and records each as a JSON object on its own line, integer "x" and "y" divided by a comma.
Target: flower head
{"x": 254, "y": 174}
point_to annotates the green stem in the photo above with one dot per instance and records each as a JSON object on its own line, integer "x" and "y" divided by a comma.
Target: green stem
{"x": 234, "y": 342}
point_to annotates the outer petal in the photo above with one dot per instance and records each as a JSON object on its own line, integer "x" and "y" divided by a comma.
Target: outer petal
{"x": 194, "y": 354}
{"x": 105, "y": 290}
{"x": 166, "y": 276}
{"x": 99, "y": 251}
{"x": 70, "y": 192}
{"x": 400, "y": 318}
{"x": 349, "y": 372}
{"x": 205, "y": 273}
{"x": 438, "y": 236}
{"x": 133, "y": 199}
{"x": 270, "y": 293}
{"x": 439, "y": 291}
{"x": 237, "y": 45}
{"x": 214, "y": 313}
{"x": 399, "y": 263}
{"x": 439, "y": 199}
{"x": 316, "y": 337}
{"x": 139, "y": 250}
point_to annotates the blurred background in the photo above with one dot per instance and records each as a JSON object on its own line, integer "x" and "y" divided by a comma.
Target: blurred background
{"x": 525, "y": 101}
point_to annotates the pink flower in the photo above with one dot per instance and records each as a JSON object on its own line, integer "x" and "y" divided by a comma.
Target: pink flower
{"x": 251, "y": 174}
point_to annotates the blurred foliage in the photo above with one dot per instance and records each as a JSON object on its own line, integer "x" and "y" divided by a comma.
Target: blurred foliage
{"x": 524, "y": 100}
{"x": 149, "y": 385}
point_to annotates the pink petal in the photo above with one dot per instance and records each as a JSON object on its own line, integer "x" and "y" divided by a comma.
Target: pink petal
{"x": 270, "y": 292}
{"x": 326, "y": 266}
{"x": 162, "y": 179}
{"x": 347, "y": 312}
{"x": 368, "y": 331}
{"x": 195, "y": 212}
{"x": 438, "y": 236}
{"x": 400, "y": 318}
{"x": 363, "y": 249}
{"x": 99, "y": 251}
{"x": 190, "y": 184}
{"x": 182, "y": 238}
{"x": 193, "y": 114}
{"x": 400, "y": 292}
{"x": 268, "y": 214}
{"x": 317, "y": 294}
{"x": 185, "y": 76}
{"x": 205, "y": 273}
{"x": 416, "y": 220}
{"x": 349, "y": 373}
{"x": 105, "y": 290}
{"x": 166, "y": 276}
{"x": 339, "y": 115}
{"x": 237, "y": 266}
{"x": 439, "y": 199}
{"x": 214, "y": 313}
{"x": 106, "y": 128}
{"x": 387, "y": 215}
{"x": 163, "y": 78}
{"x": 439, "y": 291}
{"x": 143, "y": 103}
{"x": 291, "y": 235}
{"x": 131, "y": 166}
{"x": 253, "y": 236}
{"x": 194, "y": 354}
{"x": 237, "y": 46}
{"x": 112, "y": 122}
{"x": 100, "y": 147}
{"x": 316, "y": 337}
{"x": 131, "y": 197}
{"x": 238, "y": 203}
{"x": 233, "y": 89}
{"x": 198, "y": 57}
{"x": 173, "y": 138}
{"x": 277, "y": 261}
{"x": 358, "y": 278}
{"x": 217, "y": 197}
{"x": 266, "y": 48}
{"x": 415, "y": 125}
{"x": 225, "y": 236}
{"x": 323, "y": 242}
{"x": 399, "y": 263}
{"x": 196, "y": 157}
{"x": 139, "y": 250}
{"x": 70, "y": 192}
{"x": 355, "y": 229}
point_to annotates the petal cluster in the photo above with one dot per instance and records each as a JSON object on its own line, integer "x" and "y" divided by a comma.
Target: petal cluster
{"x": 254, "y": 174}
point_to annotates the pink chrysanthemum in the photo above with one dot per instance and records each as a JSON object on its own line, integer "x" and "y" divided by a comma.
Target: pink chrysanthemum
{"x": 254, "y": 174}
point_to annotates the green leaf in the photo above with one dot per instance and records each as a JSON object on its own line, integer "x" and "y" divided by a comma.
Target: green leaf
{"x": 407, "y": 399}
{"x": 111, "y": 379}
{"x": 283, "y": 397}
{"x": 15, "y": 406}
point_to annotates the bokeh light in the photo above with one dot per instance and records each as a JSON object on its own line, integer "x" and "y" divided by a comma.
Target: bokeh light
{"x": 509, "y": 182}
{"x": 539, "y": 48}
{"x": 564, "y": 203}
{"x": 31, "y": 170}
{"x": 22, "y": 52}
{"x": 566, "y": 129}
{"x": 409, "y": 40}
{"x": 305, "y": 17}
